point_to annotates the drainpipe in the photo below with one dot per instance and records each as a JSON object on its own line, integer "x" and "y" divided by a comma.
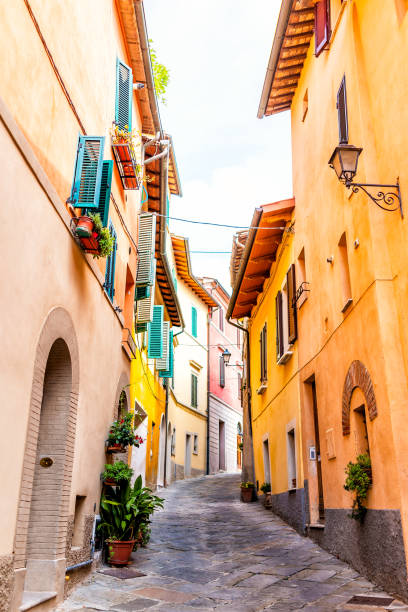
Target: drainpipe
{"x": 208, "y": 392}
{"x": 166, "y": 419}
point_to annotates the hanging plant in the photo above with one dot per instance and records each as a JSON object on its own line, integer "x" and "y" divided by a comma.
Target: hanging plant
{"x": 359, "y": 480}
{"x": 105, "y": 239}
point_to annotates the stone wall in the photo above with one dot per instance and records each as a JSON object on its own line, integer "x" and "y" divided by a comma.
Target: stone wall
{"x": 177, "y": 472}
{"x": 291, "y": 507}
{"x": 6, "y": 581}
{"x": 78, "y": 554}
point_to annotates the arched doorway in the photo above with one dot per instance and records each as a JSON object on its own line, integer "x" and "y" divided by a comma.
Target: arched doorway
{"x": 138, "y": 459}
{"x": 168, "y": 455}
{"x": 162, "y": 453}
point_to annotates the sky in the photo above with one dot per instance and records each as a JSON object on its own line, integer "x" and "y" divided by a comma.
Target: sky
{"x": 229, "y": 161}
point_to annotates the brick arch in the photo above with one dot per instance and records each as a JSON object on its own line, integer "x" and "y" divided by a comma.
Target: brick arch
{"x": 58, "y": 332}
{"x": 357, "y": 376}
{"x": 123, "y": 385}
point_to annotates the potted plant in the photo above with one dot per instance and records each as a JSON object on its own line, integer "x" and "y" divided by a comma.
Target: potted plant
{"x": 359, "y": 479}
{"x": 247, "y": 491}
{"x": 116, "y": 473}
{"x": 94, "y": 237}
{"x": 123, "y": 510}
{"x": 266, "y": 490}
{"x": 121, "y": 435}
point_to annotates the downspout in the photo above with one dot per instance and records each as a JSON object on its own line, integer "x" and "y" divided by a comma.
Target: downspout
{"x": 208, "y": 392}
{"x": 166, "y": 419}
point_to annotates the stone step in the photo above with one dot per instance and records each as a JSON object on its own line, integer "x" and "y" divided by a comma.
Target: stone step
{"x": 31, "y": 599}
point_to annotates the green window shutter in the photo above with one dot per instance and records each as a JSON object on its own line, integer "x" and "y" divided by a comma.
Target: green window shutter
{"x": 194, "y": 390}
{"x": 110, "y": 266}
{"x": 104, "y": 196}
{"x": 141, "y": 293}
{"x": 164, "y": 362}
{"x": 155, "y": 329}
{"x": 222, "y": 371}
{"x": 86, "y": 186}
{"x": 124, "y": 91}
{"x": 194, "y": 321}
{"x": 170, "y": 372}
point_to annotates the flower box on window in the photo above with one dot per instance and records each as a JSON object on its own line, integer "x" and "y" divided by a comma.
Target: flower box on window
{"x": 92, "y": 236}
{"x": 125, "y": 156}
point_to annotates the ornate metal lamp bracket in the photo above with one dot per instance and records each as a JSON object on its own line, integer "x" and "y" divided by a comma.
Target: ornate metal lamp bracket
{"x": 388, "y": 198}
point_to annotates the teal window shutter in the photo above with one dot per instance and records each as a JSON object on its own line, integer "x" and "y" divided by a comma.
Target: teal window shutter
{"x": 110, "y": 266}
{"x": 170, "y": 372}
{"x": 173, "y": 274}
{"x": 194, "y": 381}
{"x": 124, "y": 91}
{"x": 86, "y": 186}
{"x": 106, "y": 185}
{"x": 141, "y": 293}
{"x": 194, "y": 321}
{"x": 155, "y": 330}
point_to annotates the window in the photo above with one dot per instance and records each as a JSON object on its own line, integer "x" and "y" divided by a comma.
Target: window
{"x": 291, "y": 304}
{"x": 222, "y": 371}
{"x": 279, "y": 325}
{"x": 345, "y": 273}
{"x": 194, "y": 382}
{"x": 173, "y": 442}
{"x": 239, "y": 386}
{"x": 263, "y": 347}
{"x": 155, "y": 334}
{"x": 221, "y": 319}
{"x": 124, "y": 91}
{"x": 266, "y": 461}
{"x": 194, "y": 321}
{"x": 286, "y": 317}
{"x": 342, "y": 112}
{"x": 105, "y": 192}
{"x": 305, "y": 105}
{"x": 322, "y": 25}
{"x": 110, "y": 266}
{"x": 195, "y": 444}
{"x": 86, "y": 185}
{"x": 291, "y": 449}
{"x": 151, "y": 438}
{"x": 302, "y": 279}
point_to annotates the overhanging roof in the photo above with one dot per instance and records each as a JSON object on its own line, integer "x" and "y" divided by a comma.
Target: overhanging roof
{"x": 290, "y": 46}
{"x": 265, "y": 235}
{"x": 183, "y": 264}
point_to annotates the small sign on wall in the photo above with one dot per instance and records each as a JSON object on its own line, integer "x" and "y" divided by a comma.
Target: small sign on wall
{"x": 312, "y": 453}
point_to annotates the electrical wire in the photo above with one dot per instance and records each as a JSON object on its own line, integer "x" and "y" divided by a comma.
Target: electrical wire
{"x": 242, "y": 227}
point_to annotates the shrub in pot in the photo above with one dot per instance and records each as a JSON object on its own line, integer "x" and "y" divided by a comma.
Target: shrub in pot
{"x": 359, "y": 480}
{"x": 121, "y": 435}
{"x": 117, "y": 473}
{"x": 266, "y": 490}
{"x": 247, "y": 491}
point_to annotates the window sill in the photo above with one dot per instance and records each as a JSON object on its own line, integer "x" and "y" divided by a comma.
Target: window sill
{"x": 347, "y": 305}
{"x": 262, "y": 388}
{"x": 285, "y": 357}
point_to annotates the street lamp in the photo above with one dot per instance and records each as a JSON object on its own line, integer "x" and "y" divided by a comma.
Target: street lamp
{"x": 344, "y": 161}
{"x": 226, "y": 356}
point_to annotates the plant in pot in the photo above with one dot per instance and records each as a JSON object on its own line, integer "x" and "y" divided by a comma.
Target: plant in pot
{"x": 123, "y": 510}
{"x": 247, "y": 491}
{"x": 266, "y": 490}
{"x": 94, "y": 236}
{"x": 359, "y": 480}
{"x": 117, "y": 473}
{"x": 121, "y": 435}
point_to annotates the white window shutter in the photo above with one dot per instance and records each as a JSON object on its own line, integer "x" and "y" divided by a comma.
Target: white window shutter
{"x": 163, "y": 363}
{"x": 144, "y": 308}
{"x": 146, "y": 248}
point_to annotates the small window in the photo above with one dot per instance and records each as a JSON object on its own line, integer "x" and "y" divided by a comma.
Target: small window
{"x": 110, "y": 266}
{"x": 194, "y": 384}
{"x": 222, "y": 371}
{"x": 305, "y": 105}
{"x": 342, "y": 112}
{"x": 194, "y": 321}
{"x": 195, "y": 444}
{"x": 322, "y": 25}
{"x": 263, "y": 342}
{"x": 173, "y": 442}
{"x": 221, "y": 320}
{"x": 345, "y": 273}
{"x": 291, "y": 449}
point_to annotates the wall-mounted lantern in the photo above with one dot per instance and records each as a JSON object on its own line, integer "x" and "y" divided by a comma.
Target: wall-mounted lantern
{"x": 344, "y": 161}
{"x": 226, "y": 356}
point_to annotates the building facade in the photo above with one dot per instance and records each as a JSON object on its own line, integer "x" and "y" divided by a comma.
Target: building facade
{"x": 225, "y": 385}
{"x": 347, "y": 256}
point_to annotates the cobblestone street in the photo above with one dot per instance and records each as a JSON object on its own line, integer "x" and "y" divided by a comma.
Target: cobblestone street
{"x": 209, "y": 551}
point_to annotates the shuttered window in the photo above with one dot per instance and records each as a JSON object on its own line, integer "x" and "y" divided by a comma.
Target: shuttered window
{"x": 279, "y": 326}
{"x": 222, "y": 371}
{"x": 146, "y": 249}
{"x": 342, "y": 112}
{"x": 124, "y": 90}
{"x": 263, "y": 347}
{"x": 239, "y": 386}
{"x": 292, "y": 310}
{"x": 164, "y": 362}
{"x": 155, "y": 332}
{"x": 110, "y": 266}
{"x": 194, "y": 321}
{"x": 170, "y": 372}
{"x": 86, "y": 186}
{"x": 105, "y": 192}
{"x": 322, "y": 25}
{"x": 194, "y": 384}
{"x": 144, "y": 305}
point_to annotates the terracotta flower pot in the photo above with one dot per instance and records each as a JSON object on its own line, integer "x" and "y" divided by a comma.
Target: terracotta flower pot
{"x": 110, "y": 482}
{"x": 120, "y": 551}
{"x": 116, "y": 448}
{"x": 84, "y": 227}
{"x": 247, "y": 494}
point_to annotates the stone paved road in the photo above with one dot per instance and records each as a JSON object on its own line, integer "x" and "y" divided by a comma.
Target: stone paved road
{"x": 209, "y": 551}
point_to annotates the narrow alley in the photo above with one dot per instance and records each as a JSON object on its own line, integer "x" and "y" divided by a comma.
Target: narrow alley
{"x": 209, "y": 551}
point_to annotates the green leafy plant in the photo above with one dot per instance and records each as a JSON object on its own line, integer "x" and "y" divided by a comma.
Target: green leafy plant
{"x": 359, "y": 480}
{"x": 105, "y": 239}
{"x": 125, "y": 509}
{"x": 121, "y": 432}
{"x": 240, "y": 446}
{"x": 118, "y": 471}
{"x": 161, "y": 75}
{"x": 266, "y": 487}
{"x": 144, "y": 534}
{"x": 246, "y": 485}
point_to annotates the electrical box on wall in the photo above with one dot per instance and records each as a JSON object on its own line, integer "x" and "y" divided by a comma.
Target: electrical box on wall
{"x": 312, "y": 453}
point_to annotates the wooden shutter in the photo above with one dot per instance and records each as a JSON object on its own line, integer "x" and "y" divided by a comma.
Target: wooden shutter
{"x": 124, "y": 91}
{"x": 194, "y": 321}
{"x": 155, "y": 331}
{"x": 342, "y": 112}
{"x": 86, "y": 186}
{"x": 292, "y": 310}
{"x": 164, "y": 362}
{"x": 239, "y": 386}
{"x": 265, "y": 349}
{"x": 144, "y": 306}
{"x": 146, "y": 249}
{"x": 322, "y": 25}
{"x": 110, "y": 265}
{"x": 261, "y": 355}
{"x": 222, "y": 371}
{"x": 279, "y": 325}
{"x": 194, "y": 390}
{"x": 170, "y": 372}
{"x": 105, "y": 192}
